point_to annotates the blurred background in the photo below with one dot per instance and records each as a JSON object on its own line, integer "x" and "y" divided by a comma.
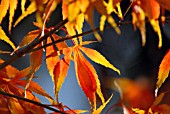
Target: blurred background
{"x": 123, "y": 51}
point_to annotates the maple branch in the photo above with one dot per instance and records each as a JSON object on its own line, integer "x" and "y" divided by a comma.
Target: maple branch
{"x": 20, "y": 53}
{"x": 31, "y": 101}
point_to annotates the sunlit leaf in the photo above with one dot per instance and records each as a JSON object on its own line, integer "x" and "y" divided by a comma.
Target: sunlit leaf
{"x": 9, "y": 70}
{"x": 51, "y": 61}
{"x": 51, "y": 6}
{"x": 60, "y": 73}
{"x": 29, "y": 37}
{"x": 164, "y": 3}
{"x": 31, "y": 8}
{"x": 138, "y": 111}
{"x": 87, "y": 78}
{"x": 138, "y": 19}
{"x": 23, "y": 6}
{"x": 3, "y": 8}
{"x": 13, "y": 6}
{"x": 99, "y": 110}
{"x": 79, "y": 26}
{"x": 164, "y": 69}
{"x": 4, "y": 37}
{"x": 98, "y": 58}
{"x": 15, "y": 107}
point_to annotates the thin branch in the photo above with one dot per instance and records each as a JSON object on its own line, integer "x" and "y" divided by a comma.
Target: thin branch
{"x": 31, "y": 101}
{"x": 75, "y": 36}
{"x": 32, "y": 45}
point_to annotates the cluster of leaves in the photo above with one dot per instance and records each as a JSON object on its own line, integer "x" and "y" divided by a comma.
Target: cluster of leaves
{"x": 57, "y": 65}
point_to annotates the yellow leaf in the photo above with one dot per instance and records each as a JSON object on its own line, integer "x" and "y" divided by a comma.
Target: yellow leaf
{"x": 79, "y": 25}
{"x": 164, "y": 69}
{"x": 31, "y": 8}
{"x": 5, "y": 38}
{"x": 138, "y": 19}
{"x": 84, "y": 5}
{"x": 113, "y": 24}
{"x": 98, "y": 58}
{"x": 102, "y": 22}
{"x": 13, "y": 6}
{"x": 23, "y": 6}
{"x": 3, "y": 9}
{"x": 155, "y": 25}
{"x": 51, "y": 6}
{"x": 138, "y": 111}
{"x": 73, "y": 5}
{"x": 99, "y": 110}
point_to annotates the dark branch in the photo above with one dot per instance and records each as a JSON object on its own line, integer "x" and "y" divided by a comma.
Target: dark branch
{"x": 32, "y": 45}
{"x": 31, "y": 101}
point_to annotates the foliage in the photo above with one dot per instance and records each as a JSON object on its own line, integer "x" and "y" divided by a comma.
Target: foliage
{"x": 59, "y": 54}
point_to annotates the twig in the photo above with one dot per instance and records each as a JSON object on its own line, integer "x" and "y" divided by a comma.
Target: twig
{"x": 32, "y": 45}
{"x": 31, "y": 101}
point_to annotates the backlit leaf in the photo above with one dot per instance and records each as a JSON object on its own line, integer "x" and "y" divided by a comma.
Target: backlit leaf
{"x": 15, "y": 107}
{"x": 164, "y": 69}
{"x": 3, "y": 8}
{"x": 60, "y": 73}
{"x": 98, "y": 58}
{"x": 9, "y": 70}
{"x": 51, "y": 61}
{"x": 4, "y": 37}
{"x": 13, "y": 6}
{"x": 164, "y": 3}
{"x": 29, "y": 37}
{"x": 87, "y": 78}
{"x": 99, "y": 110}
{"x": 31, "y": 8}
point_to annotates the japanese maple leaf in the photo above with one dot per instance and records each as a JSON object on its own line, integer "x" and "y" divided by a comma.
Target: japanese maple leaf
{"x": 85, "y": 72}
{"x": 84, "y": 9}
{"x": 11, "y": 81}
{"x": 150, "y": 9}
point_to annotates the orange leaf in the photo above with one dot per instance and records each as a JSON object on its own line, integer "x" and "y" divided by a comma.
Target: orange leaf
{"x": 52, "y": 60}
{"x": 29, "y": 37}
{"x": 51, "y": 6}
{"x": 151, "y": 8}
{"x": 163, "y": 109}
{"x": 15, "y": 107}
{"x": 98, "y": 58}
{"x": 3, "y": 8}
{"x": 9, "y": 70}
{"x": 32, "y": 108}
{"x": 87, "y": 78}
{"x": 129, "y": 90}
{"x": 164, "y": 69}
{"x": 13, "y": 6}
{"x": 60, "y": 73}
{"x": 164, "y": 3}
{"x": 158, "y": 100}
